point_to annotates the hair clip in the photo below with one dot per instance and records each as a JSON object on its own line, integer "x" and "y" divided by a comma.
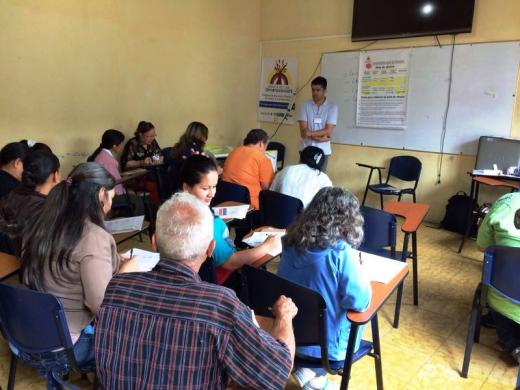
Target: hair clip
{"x": 68, "y": 180}
{"x": 317, "y": 158}
{"x": 31, "y": 143}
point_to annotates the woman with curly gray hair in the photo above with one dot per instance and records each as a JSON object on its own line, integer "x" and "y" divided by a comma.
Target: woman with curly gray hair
{"x": 317, "y": 254}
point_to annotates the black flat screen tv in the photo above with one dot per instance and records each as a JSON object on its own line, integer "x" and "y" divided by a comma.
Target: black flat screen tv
{"x": 384, "y": 19}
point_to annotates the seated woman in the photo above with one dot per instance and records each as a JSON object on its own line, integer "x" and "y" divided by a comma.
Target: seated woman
{"x": 67, "y": 252}
{"x": 140, "y": 151}
{"x": 249, "y": 166}
{"x": 501, "y": 226}
{"x": 41, "y": 173}
{"x": 305, "y": 179}
{"x": 317, "y": 254}
{"x": 112, "y": 143}
{"x": 11, "y": 166}
{"x": 191, "y": 142}
{"x": 199, "y": 177}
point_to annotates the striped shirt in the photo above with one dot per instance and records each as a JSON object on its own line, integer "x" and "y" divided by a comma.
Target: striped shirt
{"x": 168, "y": 329}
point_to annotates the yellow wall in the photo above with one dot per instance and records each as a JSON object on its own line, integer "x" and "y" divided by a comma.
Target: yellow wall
{"x": 305, "y": 29}
{"x": 73, "y": 68}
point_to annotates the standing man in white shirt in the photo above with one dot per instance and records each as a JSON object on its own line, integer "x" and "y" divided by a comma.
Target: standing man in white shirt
{"x": 318, "y": 118}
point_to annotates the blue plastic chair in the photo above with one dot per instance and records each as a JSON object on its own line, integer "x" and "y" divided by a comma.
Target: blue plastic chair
{"x": 405, "y": 168}
{"x": 34, "y": 325}
{"x": 380, "y": 237}
{"x": 260, "y": 290}
{"x": 278, "y": 210}
{"x": 227, "y": 191}
{"x": 500, "y": 270}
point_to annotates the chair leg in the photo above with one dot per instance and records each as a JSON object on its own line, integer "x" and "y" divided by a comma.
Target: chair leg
{"x": 471, "y": 332}
{"x": 347, "y": 368}
{"x": 398, "y": 300}
{"x": 12, "y": 372}
{"x": 415, "y": 270}
{"x": 366, "y": 188}
{"x": 381, "y": 200}
{"x": 377, "y": 352}
{"x": 414, "y": 199}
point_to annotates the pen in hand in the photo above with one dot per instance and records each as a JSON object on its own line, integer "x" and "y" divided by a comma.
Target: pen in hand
{"x": 132, "y": 253}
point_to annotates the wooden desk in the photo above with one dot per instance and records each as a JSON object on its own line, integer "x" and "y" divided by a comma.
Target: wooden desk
{"x": 492, "y": 181}
{"x": 122, "y": 237}
{"x": 132, "y": 174}
{"x": 380, "y": 294}
{"x": 9, "y": 265}
{"x": 413, "y": 214}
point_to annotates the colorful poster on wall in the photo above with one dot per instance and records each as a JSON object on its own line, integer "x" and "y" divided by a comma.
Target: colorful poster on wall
{"x": 383, "y": 88}
{"x": 277, "y": 89}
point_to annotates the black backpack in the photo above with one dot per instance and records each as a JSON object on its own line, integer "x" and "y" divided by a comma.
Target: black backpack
{"x": 457, "y": 213}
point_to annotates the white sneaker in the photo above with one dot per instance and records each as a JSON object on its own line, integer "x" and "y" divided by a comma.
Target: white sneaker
{"x": 303, "y": 375}
{"x": 321, "y": 383}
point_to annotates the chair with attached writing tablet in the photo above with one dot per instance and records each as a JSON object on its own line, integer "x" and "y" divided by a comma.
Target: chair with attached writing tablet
{"x": 34, "y": 325}
{"x": 500, "y": 271}
{"x": 278, "y": 210}
{"x": 380, "y": 237}
{"x": 404, "y": 168}
{"x": 261, "y": 289}
{"x": 227, "y": 191}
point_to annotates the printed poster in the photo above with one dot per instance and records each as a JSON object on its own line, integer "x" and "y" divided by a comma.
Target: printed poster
{"x": 277, "y": 89}
{"x": 383, "y": 88}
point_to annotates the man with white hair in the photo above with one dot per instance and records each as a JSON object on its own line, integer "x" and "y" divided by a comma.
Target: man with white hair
{"x": 168, "y": 329}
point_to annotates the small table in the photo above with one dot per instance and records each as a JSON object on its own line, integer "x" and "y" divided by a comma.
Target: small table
{"x": 9, "y": 265}
{"x": 380, "y": 294}
{"x": 122, "y": 237}
{"x": 492, "y": 181}
{"x": 413, "y": 214}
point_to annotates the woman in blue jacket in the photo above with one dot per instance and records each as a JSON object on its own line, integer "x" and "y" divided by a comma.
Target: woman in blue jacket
{"x": 318, "y": 254}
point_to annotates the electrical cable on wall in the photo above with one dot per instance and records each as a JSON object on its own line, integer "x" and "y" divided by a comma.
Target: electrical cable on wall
{"x": 446, "y": 111}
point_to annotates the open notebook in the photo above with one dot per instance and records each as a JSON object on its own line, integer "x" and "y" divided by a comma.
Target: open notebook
{"x": 377, "y": 268}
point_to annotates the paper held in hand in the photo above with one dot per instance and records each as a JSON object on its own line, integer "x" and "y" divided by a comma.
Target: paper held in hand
{"x": 147, "y": 259}
{"x": 377, "y": 268}
{"x": 229, "y": 212}
{"x": 258, "y": 237}
{"x": 124, "y": 225}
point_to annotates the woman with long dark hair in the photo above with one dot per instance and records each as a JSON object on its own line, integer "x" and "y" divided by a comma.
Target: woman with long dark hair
{"x": 143, "y": 150}
{"x": 67, "y": 252}
{"x": 199, "y": 177}
{"x": 112, "y": 144}
{"x": 41, "y": 173}
{"x": 317, "y": 254}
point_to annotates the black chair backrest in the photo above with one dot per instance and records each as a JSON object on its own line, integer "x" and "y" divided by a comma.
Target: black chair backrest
{"x": 501, "y": 270}
{"x": 167, "y": 153}
{"x": 280, "y": 155}
{"x": 227, "y": 191}
{"x": 261, "y": 289}
{"x": 278, "y": 210}
{"x": 33, "y": 321}
{"x": 380, "y": 229}
{"x": 407, "y": 168}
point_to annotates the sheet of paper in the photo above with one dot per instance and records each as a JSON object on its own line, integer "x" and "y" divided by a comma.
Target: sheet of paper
{"x": 147, "y": 259}
{"x": 236, "y": 212}
{"x": 377, "y": 268}
{"x": 260, "y": 236}
{"x": 273, "y": 157}
{"x": 123, "y": 225}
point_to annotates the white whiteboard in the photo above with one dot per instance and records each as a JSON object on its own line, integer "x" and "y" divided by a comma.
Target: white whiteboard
{"x": 482, "y": 97}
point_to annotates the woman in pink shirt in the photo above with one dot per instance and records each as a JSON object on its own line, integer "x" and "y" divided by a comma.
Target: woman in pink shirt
{"x": 111, "y": 143}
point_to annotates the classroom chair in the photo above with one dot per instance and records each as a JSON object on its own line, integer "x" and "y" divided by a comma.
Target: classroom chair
{"x": 227, "y": 191}
{"x": 500, "y": 271}
{"x": 260, "y": 290}
{"x": 278, "y": 210}
{"x": 34, "y": 325}
{"x": 280, "y": 156}
{"x": 404, "y": 168}
{"x": 380, "y": 228}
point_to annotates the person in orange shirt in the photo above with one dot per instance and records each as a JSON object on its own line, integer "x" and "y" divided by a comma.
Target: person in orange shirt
{"x": 248, "y": 165}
